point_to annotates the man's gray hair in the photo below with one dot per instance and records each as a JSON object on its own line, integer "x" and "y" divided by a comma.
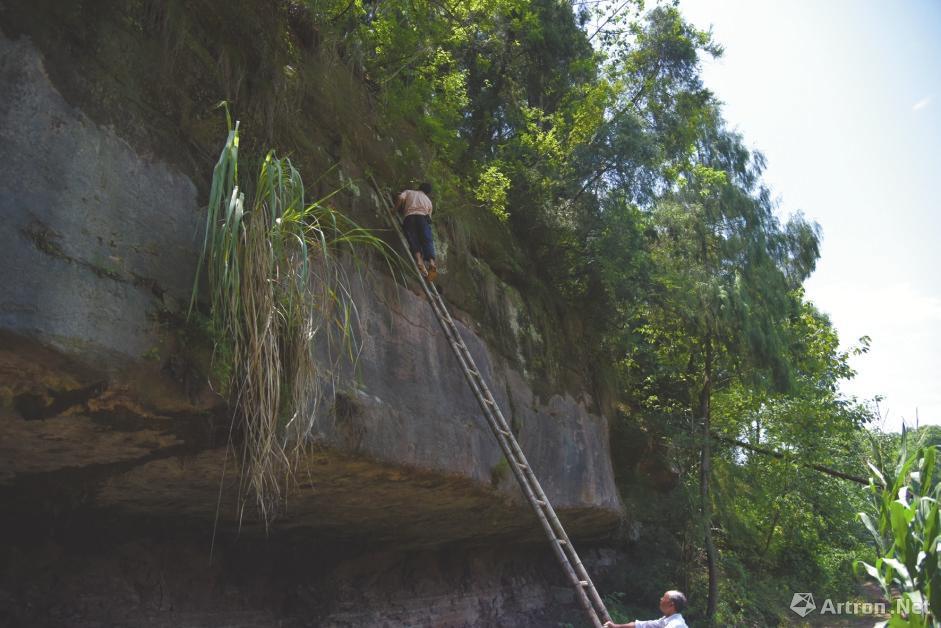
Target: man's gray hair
{"x": 678, "y": 599}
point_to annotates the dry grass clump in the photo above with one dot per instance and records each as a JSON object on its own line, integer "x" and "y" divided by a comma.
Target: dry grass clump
{"x": 275, "y": 286}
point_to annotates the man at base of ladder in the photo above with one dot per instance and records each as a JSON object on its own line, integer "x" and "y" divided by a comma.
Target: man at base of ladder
{"x": 671, "y": 605}
{"x": 416, "y": 209}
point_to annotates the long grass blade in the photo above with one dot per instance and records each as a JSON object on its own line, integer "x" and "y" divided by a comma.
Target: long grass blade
{"x": 276, "y": 287}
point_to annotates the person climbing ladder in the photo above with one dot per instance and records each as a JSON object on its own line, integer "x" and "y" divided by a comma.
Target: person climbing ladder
{"x": 415, "y": 207}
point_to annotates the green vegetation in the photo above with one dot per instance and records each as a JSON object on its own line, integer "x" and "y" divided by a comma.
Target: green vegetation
{"x": 584, "y": 160}
{"x": 275, "y": 283}
{"x": 499, "y": 471}
{"x": 906, "y": 530}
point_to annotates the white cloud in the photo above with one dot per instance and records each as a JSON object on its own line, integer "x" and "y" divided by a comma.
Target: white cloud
{"x": 904, "y": 321}
{"x": 902, "y": 305}
{"x": 921, "y": 104}
{"x": 858, "y": 305}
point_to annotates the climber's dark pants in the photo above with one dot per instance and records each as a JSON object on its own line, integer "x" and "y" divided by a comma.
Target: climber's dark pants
{"x": 417, "y": 229}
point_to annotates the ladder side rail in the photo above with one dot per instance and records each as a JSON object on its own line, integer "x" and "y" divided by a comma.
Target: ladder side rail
{"x": 542, "y": 501}
{"x": 519, "y": 455}
{"x": 558, "y": 529}
{"x": 512, "y": 450}
{"x": 573, "y": 569}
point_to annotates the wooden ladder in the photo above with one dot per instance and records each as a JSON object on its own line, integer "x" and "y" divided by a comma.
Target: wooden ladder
{"x": 585, "y": 591}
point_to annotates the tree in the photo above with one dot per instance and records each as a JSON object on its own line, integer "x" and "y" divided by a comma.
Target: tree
{"x": 778, "y": 510}
{"x": 728, "y": 270}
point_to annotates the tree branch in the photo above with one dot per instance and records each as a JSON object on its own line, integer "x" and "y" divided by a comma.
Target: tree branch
{"x": 780, "y": 455}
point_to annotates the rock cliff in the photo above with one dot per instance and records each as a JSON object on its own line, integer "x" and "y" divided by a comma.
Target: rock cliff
{"x": 113, "y": 450}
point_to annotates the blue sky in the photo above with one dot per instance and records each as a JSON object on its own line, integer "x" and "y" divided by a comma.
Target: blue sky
{"x": 844, "y": 99}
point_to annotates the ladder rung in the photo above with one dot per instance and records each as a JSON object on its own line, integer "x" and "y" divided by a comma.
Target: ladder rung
{"x": 561, "y": 541}
{"x": 541, "y": 503}
{"x": 584, "y": 583}
{"x": 504, "y": 432}
{"x": 521, "y": 465}
{"x": 490, "y": 402}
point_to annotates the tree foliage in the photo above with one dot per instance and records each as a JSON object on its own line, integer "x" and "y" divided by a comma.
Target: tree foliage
{"x": 584, "y": 133}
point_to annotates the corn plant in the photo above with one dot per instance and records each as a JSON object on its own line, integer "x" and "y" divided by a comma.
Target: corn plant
{"x": 276, "y": 289}
{"x": 907, "y": 535}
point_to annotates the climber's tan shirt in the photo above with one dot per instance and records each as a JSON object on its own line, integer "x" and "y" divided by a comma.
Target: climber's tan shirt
{"x": 415, "y": 202}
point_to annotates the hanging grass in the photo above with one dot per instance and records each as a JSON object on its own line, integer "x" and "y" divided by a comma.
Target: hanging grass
{"x": 276, "y": 287}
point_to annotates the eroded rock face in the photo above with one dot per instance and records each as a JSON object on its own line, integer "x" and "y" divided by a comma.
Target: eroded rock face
{"x": 102, "y": 412}
{"x": 95, "y": 236}
{"x": 99, "y": 250}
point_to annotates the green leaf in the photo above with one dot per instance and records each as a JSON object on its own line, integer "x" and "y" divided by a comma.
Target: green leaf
{"x": 877, "y": 538}
{"x": 901, "y": 570}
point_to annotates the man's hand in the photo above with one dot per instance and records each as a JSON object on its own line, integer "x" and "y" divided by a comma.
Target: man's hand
{"x": 611, "y": 624}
